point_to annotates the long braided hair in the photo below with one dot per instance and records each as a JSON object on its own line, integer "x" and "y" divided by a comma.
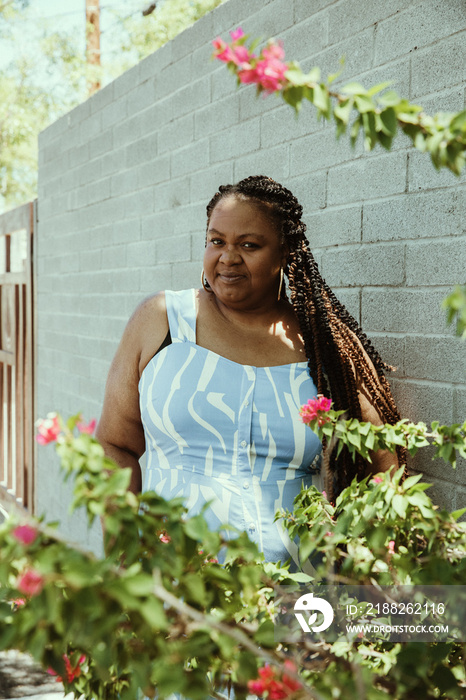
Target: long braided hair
{"x": 334, "y": 343}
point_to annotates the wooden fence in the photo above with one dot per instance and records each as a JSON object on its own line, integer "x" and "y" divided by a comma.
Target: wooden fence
{"x": 16, "y": 358}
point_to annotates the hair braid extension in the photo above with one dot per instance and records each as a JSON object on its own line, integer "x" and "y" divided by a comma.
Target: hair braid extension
{"x": 336, "y": 347}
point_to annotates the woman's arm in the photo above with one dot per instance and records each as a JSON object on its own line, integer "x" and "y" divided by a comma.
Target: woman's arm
{"x": 120, "y": 430}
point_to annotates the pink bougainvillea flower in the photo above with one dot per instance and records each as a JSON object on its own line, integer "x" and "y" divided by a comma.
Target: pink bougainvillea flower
{"x": 222, "y": 51}
{"x": 30, "y": 582}
{"x": 315, "y": 408}
{"x": 248, "y": 74}
{"x": 269, "y": 682}
{"x": 25, "y": 534}
{"x": 237, "y": 34}
{"x": 18, "y": 602}
{"x": 242, "y": 55}
{"x": 273, "y": 51}
{"x": 163, "y": 537}
{"x": 89, "y": 428}
{"x": 377, "y": 479}
{"x": 391, "y": 546}
{"x": 48, "y": 429}
{"x": 324, "y": 494}
{"x": 72, "y": 672}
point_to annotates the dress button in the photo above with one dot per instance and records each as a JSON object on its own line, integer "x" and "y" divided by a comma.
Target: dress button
{"x": 245, "y": 484}
{"x": 243, "y": 443}
{"x": 252, "y": 527}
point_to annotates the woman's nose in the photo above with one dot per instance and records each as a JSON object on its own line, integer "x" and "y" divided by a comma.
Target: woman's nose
{"x": 230, "y": 255}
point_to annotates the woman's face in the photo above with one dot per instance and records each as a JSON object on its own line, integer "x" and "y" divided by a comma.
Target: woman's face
{"x": 243, "y": 254}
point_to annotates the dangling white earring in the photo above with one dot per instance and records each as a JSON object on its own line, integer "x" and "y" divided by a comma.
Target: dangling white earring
{"x": 280, "y": 285}
{"x": 204, "y": 283}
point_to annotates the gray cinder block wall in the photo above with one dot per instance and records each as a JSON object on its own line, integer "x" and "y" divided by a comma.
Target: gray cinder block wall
{"x": 125, "y": 177}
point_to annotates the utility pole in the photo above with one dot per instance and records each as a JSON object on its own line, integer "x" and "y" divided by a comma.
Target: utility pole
{"x": 93, "y": 44}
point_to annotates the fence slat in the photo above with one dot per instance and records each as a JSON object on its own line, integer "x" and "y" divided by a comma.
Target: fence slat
{"x": 16, "y": 357}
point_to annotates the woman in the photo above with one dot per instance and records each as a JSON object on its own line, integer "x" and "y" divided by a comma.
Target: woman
{"x": 210, "y": 381}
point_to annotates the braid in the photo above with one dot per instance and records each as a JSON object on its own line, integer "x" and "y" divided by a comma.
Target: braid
{"x": 334, "y": 343}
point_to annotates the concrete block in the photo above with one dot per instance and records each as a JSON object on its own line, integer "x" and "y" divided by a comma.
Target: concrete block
{"x": 156, "y": 116}
{"x": 417, "y": 26}
{"x": 434, "y": 358}
{"x": 173, "y": 75}
{"x": 216, "y": 117}
{"x": 190, "y": 159}
{"x": 97, "y": 191}
{"x": 441, "y": 65}
{"x": 222, "y": 84}
{"x": 391, "y": 348}
{"x": 449, "y": 100}
{"x": 306, "y": 38}
{"x": 186, "y": 275}
{"x": 77, "y": 115}
{"x": 113, "y": 257}
{"x": 404, "y": 310}
{"x": 321, "y": 150}
{"x": 225, "y": 17}
{"x": 113, "y": 162}
{"x": 192, "y": 96}
{"x": 157, "y": 226}
{"x": 153, "y": 64}
{"x": 92, "y": 126}
{"x": 201, "y": 57}
{"x": 102, "y": 98}
{"x": 191, "y": 217}
{"x": 367, "y": 178}
{"x": 280, "y": 124}
{"x": 239, "y": 140}
{"x": 426, "y": 401}
{"x": 113, "y": 113}
{"x": 274, "y": 162}
{"x": 351, "y": 300}
{"x": 140, "y": 254}
{"x": 87, "y": 172}
{"x": 442, "y": 262}
{"x": 413, "y": 216}
{"x": 154, "y": 172}
{"x": 77, "y": 156}
{"x": 205, "y": 183}
{"x": 125, "y": 181}
{"x": 173, "y": 194}
{"x": 142, "y": 95}
{"x": 302, "y": 9}
{"x": 128, "y": 131}
{"x": 195, "y": 35}
{"x": 356, "y": 265}
{"x": 141, "y": 151}
{"x": 334, "y": 227}
{"x": 357, "y": 52}
{"x": 103, "y": 143}
{"x": 174, "y": 249}
{"x": 126, "y": 82}
{"x": 89, "y": 260}
{"x": 346, "y": 18}
{"x": 176, "y": 134}
{"x": 423, "y": 176}
{"x": 135, "y": 204}
{"x": 156, "y": 278}
{"x": 459, "y": 404}
{"x": 270, "y": 21}
{"x": 310, "y": 190}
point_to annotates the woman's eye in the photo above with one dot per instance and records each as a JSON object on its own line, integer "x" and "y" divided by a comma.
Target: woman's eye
{"x": 250, "y": 245}
{"x": 216, "y": 241}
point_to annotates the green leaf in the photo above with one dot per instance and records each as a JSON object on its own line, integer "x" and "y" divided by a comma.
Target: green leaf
{"x": 389, "y": 121}
{"x": 389, "y": 98}
{"x": 378, "y": 88}
{"x": 399, "y": 505}
{"x": 364, "y": 103}
{"x": 411, "y": 480}
{"x": 354, "y": 89}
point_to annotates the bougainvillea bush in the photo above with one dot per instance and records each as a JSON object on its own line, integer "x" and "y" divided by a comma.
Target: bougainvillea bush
{"x": 159, "y": 613}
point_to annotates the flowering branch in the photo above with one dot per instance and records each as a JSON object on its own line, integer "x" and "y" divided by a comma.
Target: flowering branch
{"x": 363, "y": 437}
{"x": 378, "y": 114}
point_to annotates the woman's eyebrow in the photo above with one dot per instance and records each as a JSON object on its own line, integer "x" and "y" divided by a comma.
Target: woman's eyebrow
{"x": 241, "y": 236}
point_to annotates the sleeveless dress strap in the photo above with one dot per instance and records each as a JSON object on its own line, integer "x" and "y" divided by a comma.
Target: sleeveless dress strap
{"x": 181, "y": 312}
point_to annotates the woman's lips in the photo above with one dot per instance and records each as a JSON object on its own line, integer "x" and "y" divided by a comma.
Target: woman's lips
{"x": 230, "y": 278}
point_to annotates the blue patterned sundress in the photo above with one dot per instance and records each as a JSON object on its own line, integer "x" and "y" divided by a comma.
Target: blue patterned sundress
{"x": 219, "y": 431}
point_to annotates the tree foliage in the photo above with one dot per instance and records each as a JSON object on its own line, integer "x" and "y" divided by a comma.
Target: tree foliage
{"x": 46, "y": 81}
{"x": 160, "y": 612}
